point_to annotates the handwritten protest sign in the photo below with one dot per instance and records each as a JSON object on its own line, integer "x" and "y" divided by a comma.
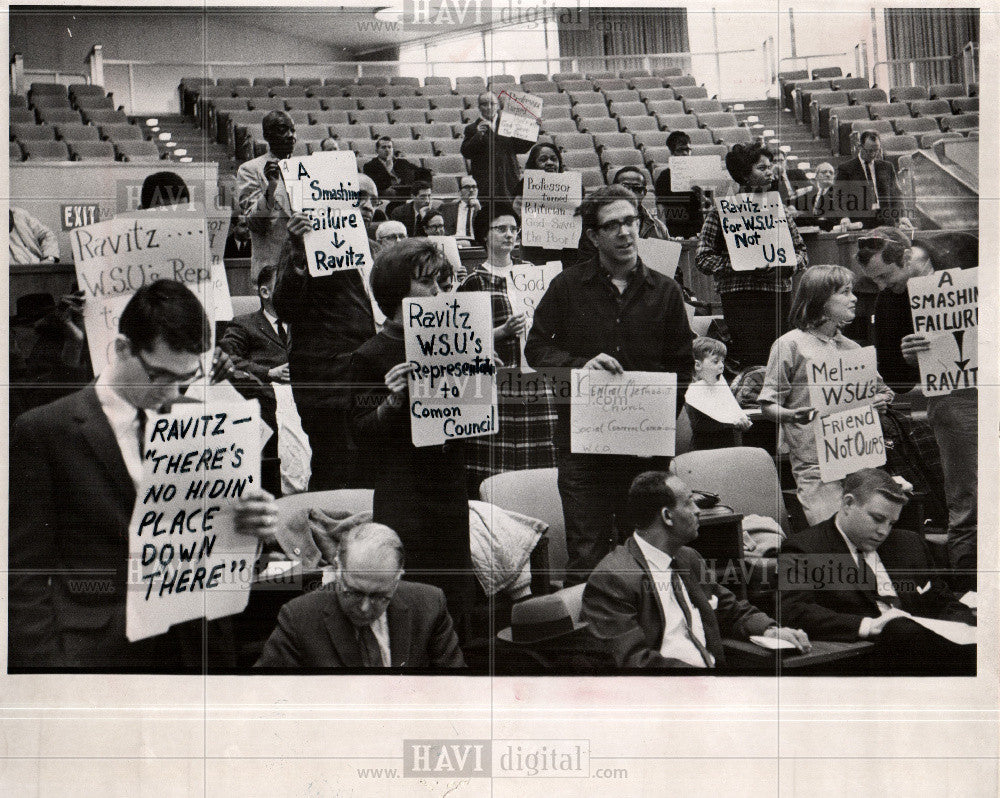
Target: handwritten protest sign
{"x": 660, "y": 256}
{"x": 630, "y": 413}
{"x": 449, "y": 344}
{"x": 756, "y": 231}
{"x": 187, "y": 560}
{"x": 116, "y": 258}
{"x": 945, "y": 308}
{"x": 688, "y": 171}
{"x": 548, "y": 206}
{"x": 448, "y": 247}
{"x": 526, "y": 285}
{"x": 520, "y": 115}
{"x": 848, "y": 431}
{"x": 324, "y": 186}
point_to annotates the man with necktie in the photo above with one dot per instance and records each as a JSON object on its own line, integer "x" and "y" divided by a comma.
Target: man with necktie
{"x": 872, "y": 181}
{"x": 653, "y": 599}
{"x": 459, "y": 215}
{"x": 854, "y": 577}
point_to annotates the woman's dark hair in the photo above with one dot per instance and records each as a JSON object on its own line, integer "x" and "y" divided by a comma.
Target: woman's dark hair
{"x": 491, "y": 212}
{"x": 816, "y": 286}
{"x": 740, "y": 160}
{"x": 396, "y": 265}
{"x": 534, "y": 152}
{"x": 162, "y": 189}
{"x": 169, "y": 310}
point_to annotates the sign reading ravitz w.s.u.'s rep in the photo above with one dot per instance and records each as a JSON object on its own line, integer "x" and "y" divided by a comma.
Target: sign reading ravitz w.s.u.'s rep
{"x": 842, "y": 388}
{"x": 324, "y": 186}
{"x": 449, "y": 345}
{"x": 945, "y": 308}
{"x": 187, "y": 560}
{"x": 756, "y": 231}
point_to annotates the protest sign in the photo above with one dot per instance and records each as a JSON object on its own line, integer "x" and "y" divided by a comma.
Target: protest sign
{"x": 945, "y": 308}
{"x": 548, "y": 206}
{"x": 659, "y": 255}
{"x": 449, "y": 344}
{"x": 186, "y": 559}
{"x": 324, "y": 186}
{"x": 520, "y": 115}
{"x": 526, "y": 285}
{"x": 842, "y": 388}
{"x": 704, "y": 171}
{"x": 116, "y": 258}
{"x": 756, "y": 231}
{"x": 631, "y": 413}
{"x": 448, "y": 247}
{"x": 715, "y": 401}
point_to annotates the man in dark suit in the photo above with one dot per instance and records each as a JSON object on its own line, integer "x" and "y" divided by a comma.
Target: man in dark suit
{"x": 238, "y": 242}
{"x": 72, "y": 492}
{"x": 789, "y": 183}
{"x": 854, "y": 577}
{"x": 640, "y": 597}
{"x": 817, "y": 206}
{"x": 393, "y": 176}
{"x": 492, "y": 158}
{"x": 872, "y": 183}
{"x": 681, "y": 211}
{"x": 368, "y": 617}
{"x": 460, "y": 214}
{"x": 414, "y": 213}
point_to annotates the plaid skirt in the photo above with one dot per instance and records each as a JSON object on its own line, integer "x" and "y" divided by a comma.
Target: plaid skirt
{"x": 526, "y": 430}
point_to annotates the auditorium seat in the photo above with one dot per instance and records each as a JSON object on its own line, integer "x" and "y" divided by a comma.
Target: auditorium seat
{"x": 413, "y": 148}
{"x": 319, "y": 90}
{"x": 303, "y": 104}
{"x": 267, "y": 82}
{"x": 535, "y": 77}
{"x": 839, "y": 128}
{"x": 362, "y": 147}
{"x": 408, "y": 116}
{"x": 24, "y": 116}
{"x": 339, "y": 103}
{"x": 960, "y": 122}
{"x": 137, "y": 151}
{"x": 433, "y": 130}
{"x": 375, "y": 104}
{"x": 592, "y": 124}
{"x": 928, "y": 140}
{"x": 716, "y": 119}
{"x": 867, "y": 96}
{"x": 33, "y": 132}
{"x": 586, "y": 97}
{"x": 562, "y": 77}
{"x": 581, "y": 159}
{"x": 77, "y": 132}
{"x": 680, "y": 81}
{"x": 56, "y": 116}
{"x": 912, "y": 125}
{"x": 819, "y": 109}
{"x": 50, "y": 101}
{"x": 849, "y": 84}
{"x": 613, "y": 141}
{"x": 636, "y": 108}
{"x": 266, "y": 103}
{"x": 315, "y": 132}
{"x": 965, "y": 105}
{"x": 392, "y": 131}
{"x": 622, "y": 96}
{"x": 559, "y": 126}
{"x": 45, "y": 150}
{"x": 826, "y": 72}
{"x": 544, "y": 86}
{"x": 623, "y": 156}
{"x": 435, "y": 92}
{"x": 591, "y": 112}
{"x": 906, "y": 94}
{"x": 410, "y": 103}
{"x": 323, "y": 117}
{"x": 591, "y": 177}
{"x": 633, "y": 124}
{"x": 559, "y": 111}
{"x": 92, "y": 151}
{"x": 700, "y": 135}
{"x": 938, "y": 91}
{"x": 677, "y": 121}
{"x": 898, "y": 145}
{"x": 470, "y": 85}
{"x": 646, "y": 84}
{"x": 930, "y": 108}
{"x": 447, "y": 101}
{"x": 709, "y": 149}
{"x": 973, "y": 90}
{"x": 94, "y": 101}
{"x": 574, "y": 86}
{"x": 229, "y": 104}
{"x": 610, "y": 84}
{"x": 368, "y": 117}
{"x": 445, "y": 146}
{"x": 550, "y": 101}
{"x": 703, "y": 106}
{"x": 450, "y": 116}
{"x": 252, "y": 91}
{"x": 802, "y": 96}
{"x": 361, "y": 90}
{"x": 41, "y": 87}
{"x": 437, "y": 80}
{"x": 15, "y": 152}
{"x": 119, "y": 132}
{"x": 889, "y": 110}
{"x": 634, "y": 73}
{"x": 690, "y": 93}
{"x": 786, "y": 84}
{"x": 656, "y": 155}
{"x": 649, "y": 138}
{"x": 17, "y": 101}
{"x": 575, "y": 141}
{"x": 731, "y": 135}
{"x": 396, "y": 92}
{"x": 444, "y": 164}
{"x": 233, "y": 81}
{"x": 605, "y": 75}
{"x": 657, "y": 95}
{"x": 665, "y": 106}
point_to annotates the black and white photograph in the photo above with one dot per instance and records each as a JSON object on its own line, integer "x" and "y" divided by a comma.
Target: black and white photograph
{"x": 446, "y": 396}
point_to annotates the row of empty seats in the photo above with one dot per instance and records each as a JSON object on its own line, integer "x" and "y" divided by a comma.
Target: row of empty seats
{"x": 133, "y": 151}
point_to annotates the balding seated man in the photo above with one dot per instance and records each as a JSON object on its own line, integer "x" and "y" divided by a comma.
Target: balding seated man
{"x": 653, "y": 599}
{"x": 367, "y": 617}
{"x": 854, "y": 577}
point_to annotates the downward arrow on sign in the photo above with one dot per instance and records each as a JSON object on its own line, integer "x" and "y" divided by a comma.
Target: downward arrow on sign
{"x": 337, "y": 242}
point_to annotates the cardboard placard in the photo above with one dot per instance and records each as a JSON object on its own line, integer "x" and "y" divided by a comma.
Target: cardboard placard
{"x": 659, "y": 255}
{"x": 186, "y": 559}
{"x": 520, "y": 115}
{"x": 631, "y": 413}
{"x": 844, "y": 379}
{"x": 704, "y": 171}
{"x": 449, "y": 344}
{"x": 756, "y": 231}
{"x": 849, "y": 440}
{"x": 526, "y": 285}
{"x": 448, "y": 247}
{"x": 945, "y": 308}
{"x": 116, "y": 258}
{"x": 548, "y": 209}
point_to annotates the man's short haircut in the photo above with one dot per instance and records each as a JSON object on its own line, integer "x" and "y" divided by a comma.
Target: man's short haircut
{"x": 421, "y": 185}
{"x": 395, "y": 266}
{"x": 864, "y": 484}
{"x": 951, "y": 250}
{"x": 590, "y": 208}
{"x": 389, "y": 226}
{"x": 161, "y": 189}
{"x": 265, "y": 276}
{"x": 704, "y": 347}
{"x": 821, "y": 164}
{"x": 380, "y": 139}
{"x": 817, "y": 284}
{"x": 431, "y": 215}
{"x": 740, "y": 160}
{"x": 490, "y": 213}
{"x": 868, "y": 135}
{"x": 647, "y": 496}
{"x": 272, "y": 118}
{"x": 677, "y": 139}
{"x": 627, "y": 170}
{"x": 169, "y": 310}
{"x": 377, "y": 536}
{"x": 367, "y": 186}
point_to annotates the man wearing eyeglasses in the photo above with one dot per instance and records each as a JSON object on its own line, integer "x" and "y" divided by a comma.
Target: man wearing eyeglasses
{"x": 368, "y": 617}
{"x": 609, "y": 313}
{"x": 77, "y": 464}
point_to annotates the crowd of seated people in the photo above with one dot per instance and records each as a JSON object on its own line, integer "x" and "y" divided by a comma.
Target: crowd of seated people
{"x": 403, "y": 588}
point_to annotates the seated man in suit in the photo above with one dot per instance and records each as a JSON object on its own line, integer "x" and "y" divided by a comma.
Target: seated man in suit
{"x": 258, "y": 342}
{"x": 414, "y": 212}
{"x": 854, "y": 577}
{"x": 681, "y": 211}
{"x": 641, "y": 596}
{"x": 368, "y": 617}
{"x": 389, "y": 233}
{"x": 394, "y": 176}
{"x": 459, "y": 215}
{"x": 818, "y": 206}
{"x": 789, "y": 183}
{"x": 72, "y": 492}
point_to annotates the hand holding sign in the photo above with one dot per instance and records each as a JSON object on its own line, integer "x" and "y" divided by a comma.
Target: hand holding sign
{"x": 520, "y": 115}
{"x": 945, "y": 308}
{"x": 615, "y": 412}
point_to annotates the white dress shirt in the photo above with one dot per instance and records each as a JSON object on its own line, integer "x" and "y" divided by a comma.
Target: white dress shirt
{"x": 675, "y": 644}
{"x": 124, "y": 420}
{"x": 273, "y": 321}
{"x": 462, "y": 220}
{"x": 883, "y": 582}
{"x": 380, "y": 628}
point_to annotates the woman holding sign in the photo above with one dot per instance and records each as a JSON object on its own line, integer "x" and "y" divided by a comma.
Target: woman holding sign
{"x": 753, "y": 298}
{"x": 527, "y": 419}
{"x": 824, "y": 304}
{"x": 547, "y": 158}
{"x": 419, "y": 491}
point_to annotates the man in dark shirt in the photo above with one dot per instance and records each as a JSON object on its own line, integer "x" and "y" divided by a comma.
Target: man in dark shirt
{"x": 680, "y": 210}
{"x": 493, "y": 158}
{"x": 614, "y": 314}
{"x": 393, "y": 175}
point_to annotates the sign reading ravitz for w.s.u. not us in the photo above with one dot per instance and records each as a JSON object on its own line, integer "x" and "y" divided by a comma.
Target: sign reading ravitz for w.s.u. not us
{"x": 756, "y": 231}
{"x": 945, "y": 308}
{"x": 324, "y": 186}
{"x": 449, "y": 346}
{"x": 842, "y": 388}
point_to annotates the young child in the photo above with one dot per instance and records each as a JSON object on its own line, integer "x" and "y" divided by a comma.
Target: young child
{"x": 716, "y": 417}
